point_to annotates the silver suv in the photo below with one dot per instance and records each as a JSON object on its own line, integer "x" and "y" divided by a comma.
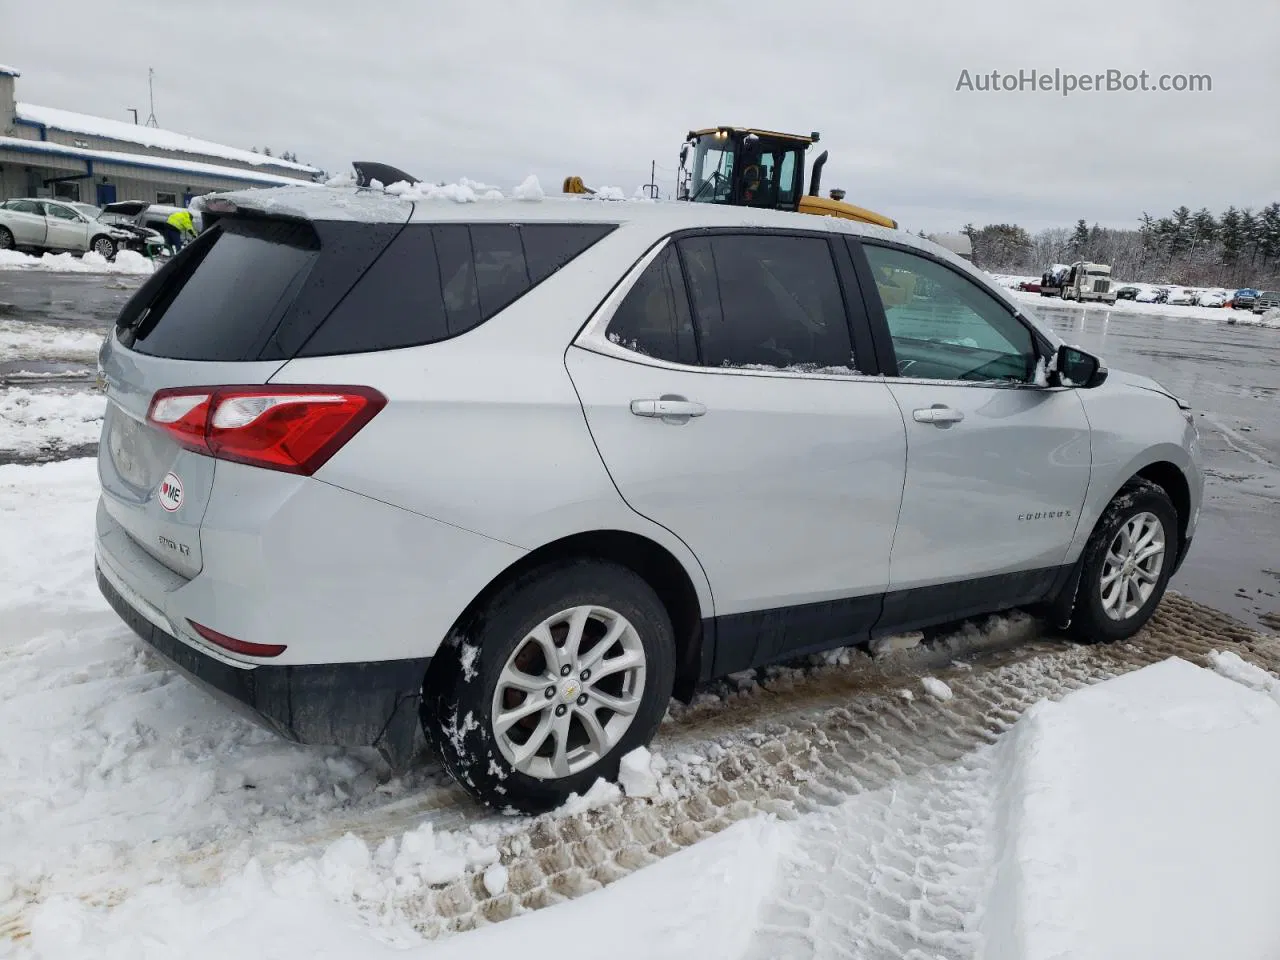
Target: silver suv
{"x": 511, "y": 474}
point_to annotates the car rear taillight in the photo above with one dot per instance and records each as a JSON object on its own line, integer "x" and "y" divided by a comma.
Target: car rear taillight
{"x": 293, "y": 428}
{"x": 238, "y": 646}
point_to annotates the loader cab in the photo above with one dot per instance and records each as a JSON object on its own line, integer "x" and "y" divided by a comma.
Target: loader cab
{"x": 745, "y": 168}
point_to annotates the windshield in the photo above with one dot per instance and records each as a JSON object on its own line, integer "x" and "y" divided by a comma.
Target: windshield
{"x": 88, "y": 209}
{"x": 712, "y": 169}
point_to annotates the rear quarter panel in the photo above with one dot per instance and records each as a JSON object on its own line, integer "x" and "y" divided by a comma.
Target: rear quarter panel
{"x": 485, "y": 431}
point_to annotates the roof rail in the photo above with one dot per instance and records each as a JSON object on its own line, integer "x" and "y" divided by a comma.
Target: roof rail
{"x": 367, "y": 171}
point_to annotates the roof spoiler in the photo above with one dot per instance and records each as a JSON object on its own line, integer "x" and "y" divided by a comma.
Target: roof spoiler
{"x": 367, "y": 171}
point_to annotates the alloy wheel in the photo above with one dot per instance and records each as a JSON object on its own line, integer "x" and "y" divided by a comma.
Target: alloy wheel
{"x": 568, "y": 692}
{"x": 1131, "y": 570}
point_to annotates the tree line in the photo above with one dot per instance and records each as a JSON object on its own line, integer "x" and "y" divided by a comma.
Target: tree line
{"x": 1238, "y": 248}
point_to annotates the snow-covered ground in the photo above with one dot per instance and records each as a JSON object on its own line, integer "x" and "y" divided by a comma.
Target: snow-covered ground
{"x": 126, "y": 261}
{"x": 930, "y": 814}
{"x": 36, "y": 420}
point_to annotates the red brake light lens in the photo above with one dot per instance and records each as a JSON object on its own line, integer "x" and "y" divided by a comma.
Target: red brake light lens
{"x": 293, "y": 428}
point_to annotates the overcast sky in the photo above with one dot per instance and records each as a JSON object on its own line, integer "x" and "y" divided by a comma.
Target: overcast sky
{"x": 449, "y": 88}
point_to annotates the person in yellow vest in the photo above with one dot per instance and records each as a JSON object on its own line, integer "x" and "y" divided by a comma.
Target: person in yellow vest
{"x": 181, "y": 230}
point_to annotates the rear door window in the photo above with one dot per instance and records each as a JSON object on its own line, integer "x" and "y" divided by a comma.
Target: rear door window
{"x": 653, "y": 319}
{"x": 767, "y": 301}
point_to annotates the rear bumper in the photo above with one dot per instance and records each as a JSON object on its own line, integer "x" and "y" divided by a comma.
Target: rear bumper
{"x": 346, "y": 704}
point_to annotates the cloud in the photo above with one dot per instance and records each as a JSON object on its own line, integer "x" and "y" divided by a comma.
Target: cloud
{"x": 496, "y": 90}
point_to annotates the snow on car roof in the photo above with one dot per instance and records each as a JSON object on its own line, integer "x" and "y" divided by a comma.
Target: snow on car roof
{"x": 148, "y": 136}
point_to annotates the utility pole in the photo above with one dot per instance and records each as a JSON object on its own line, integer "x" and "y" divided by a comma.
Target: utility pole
{"x": 151, "y": 92}
{"x": 134, "y": 111}
{"x": 653, "y": 187}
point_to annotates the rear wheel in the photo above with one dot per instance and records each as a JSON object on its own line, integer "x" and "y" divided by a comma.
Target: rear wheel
{"x": 103, "y": 246}
{"x": 562, "y": 673}
{"x": 6, "y": 238}
{"x": 1127, "y": 564}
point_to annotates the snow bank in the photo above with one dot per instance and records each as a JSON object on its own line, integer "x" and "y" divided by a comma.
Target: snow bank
{"x": 529, "y": 189}
{"x": 126, "y": 261}
{"x": 1120, "y": 307}
{"x": 702, "y": 901}
{"x": 32, "y": 420}
{"x": 25, "y": 341}
{"x": 1137, "y": 818}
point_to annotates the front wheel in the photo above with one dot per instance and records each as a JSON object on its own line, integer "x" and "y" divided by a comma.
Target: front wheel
{"x": 1127, "y": 564}
{"x": 6, "y": 239}
{"x": 103, "y": 246}
{"x": 560, "y": 675}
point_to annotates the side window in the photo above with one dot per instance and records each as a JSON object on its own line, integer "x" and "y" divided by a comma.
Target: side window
{"x": 437, "y": 281}
{"x": 24, "y": 206}
{"x": 654, "y": 318}
{"x": 945, "y": 326}
{"x": 59, "y": 212}
{"x": 765, "y": 300}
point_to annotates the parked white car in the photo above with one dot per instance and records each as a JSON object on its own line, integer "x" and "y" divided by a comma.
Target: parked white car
{"x": 38, "y": 224}
{"x": 1181, "y": 297}
{"x": 1214, "y": 298}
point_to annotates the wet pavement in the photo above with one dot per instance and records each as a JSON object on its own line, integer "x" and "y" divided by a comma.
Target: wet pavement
{"x": 1229, "y": 374}
{"x": 1231, "y": 377}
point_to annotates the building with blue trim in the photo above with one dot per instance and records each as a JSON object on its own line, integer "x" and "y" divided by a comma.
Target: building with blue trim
{"x": 49, "y": 152}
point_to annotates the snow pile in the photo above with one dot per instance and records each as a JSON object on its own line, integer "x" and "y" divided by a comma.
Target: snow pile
{"x": 1137, "y": 818}
{"x": 34, "y": 420}
{"x": 462, "y": 192}
{"x": 936, "y": 688}
{"x": 529, "y": 189}
{"x": 610, "y": 193}
{"x": 126, "y": 261}
{"x": 1269, "y": 319}
{"x": 22, "y": 341}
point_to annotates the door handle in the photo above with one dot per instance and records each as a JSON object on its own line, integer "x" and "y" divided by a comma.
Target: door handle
{"x": 675, "y": 409}
{"x": 938, "y": 413}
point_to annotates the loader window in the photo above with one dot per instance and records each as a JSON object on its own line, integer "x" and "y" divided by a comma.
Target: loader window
{"x": 712, "y": 180}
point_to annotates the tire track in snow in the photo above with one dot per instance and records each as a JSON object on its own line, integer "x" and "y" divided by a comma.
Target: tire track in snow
{"x": 836, "y": 736}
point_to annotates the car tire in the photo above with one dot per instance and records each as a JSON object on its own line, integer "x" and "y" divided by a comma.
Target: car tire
{"x": 469, "y": 685}
{"x": 1121, "y": 579}
{"x": 104, "y": 246}
{"x": 6, "y": 239}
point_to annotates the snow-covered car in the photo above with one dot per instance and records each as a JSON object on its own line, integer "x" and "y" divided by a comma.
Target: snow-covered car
{"x": 1212, "y": 298}
{"x": 1181, "y": 297}
{"x": 36, "y": 224}
{"x": 510, "y": 475}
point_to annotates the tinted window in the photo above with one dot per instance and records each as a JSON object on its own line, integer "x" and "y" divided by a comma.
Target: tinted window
{"x": 437, "y": 281}
{"x": 944, "y": 326}
{"x": 22, "y": 206}
{"x": 60, "y": 212}
{"x": 654, "y": 318}
{"x": 767, "y": 300}
{"x": 230, "y": 294}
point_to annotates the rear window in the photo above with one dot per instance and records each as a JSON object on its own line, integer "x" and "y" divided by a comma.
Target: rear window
{"x": 436, "y": 281}
{"x": 230, "y": 293}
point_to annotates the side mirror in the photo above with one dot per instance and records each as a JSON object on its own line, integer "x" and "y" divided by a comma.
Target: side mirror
{"x": 684, "y": 154}
{"x": 1072, "y": 367}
